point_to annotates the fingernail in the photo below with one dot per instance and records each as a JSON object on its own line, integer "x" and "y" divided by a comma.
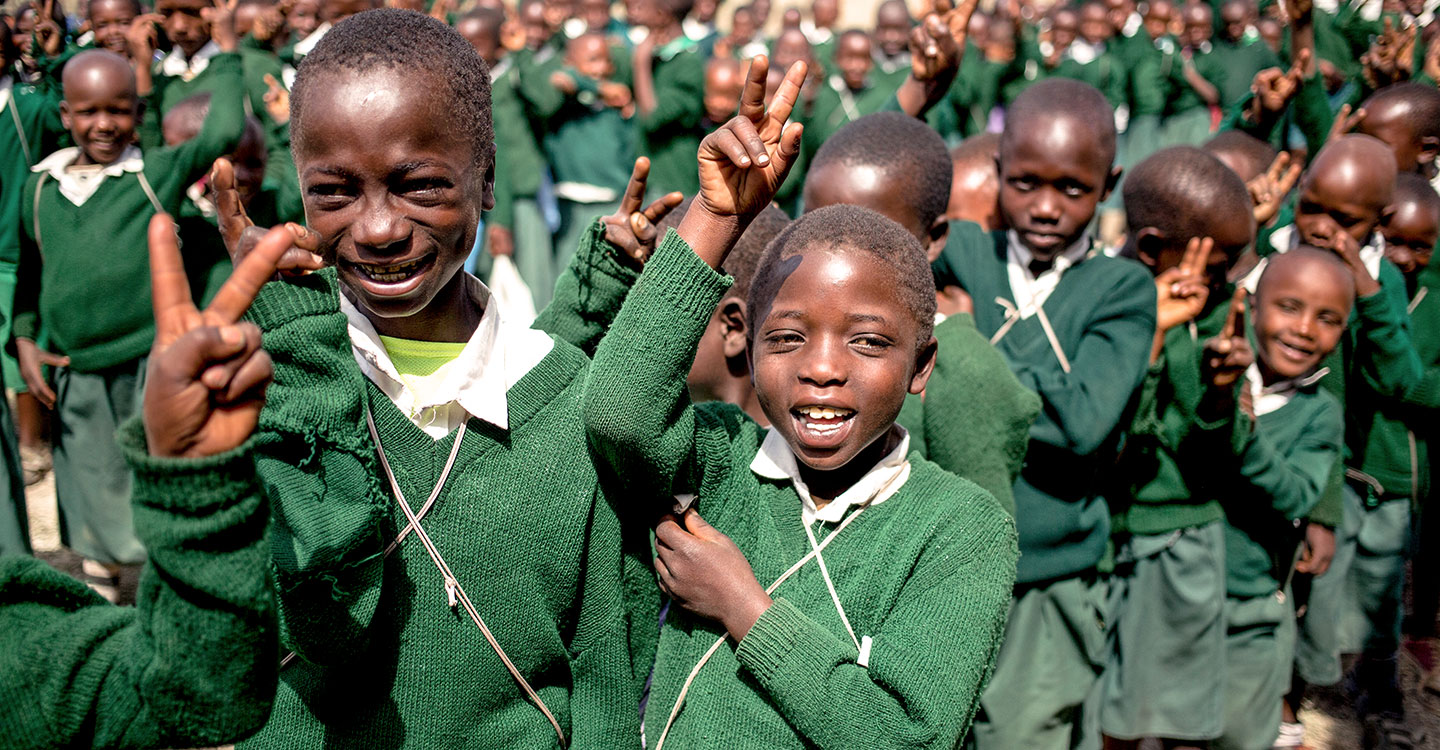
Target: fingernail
{"x": 763, "y": 160}
{"x": 231, "y": 335}
{"x": 213, "y": 378}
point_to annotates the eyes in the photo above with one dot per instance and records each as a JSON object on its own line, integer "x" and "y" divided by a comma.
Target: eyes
{"x": 1067, "y": 187}
{"x": 864, "y": 344}
{"x": 332, "y": 192}
{"x": 1292, "y": 307}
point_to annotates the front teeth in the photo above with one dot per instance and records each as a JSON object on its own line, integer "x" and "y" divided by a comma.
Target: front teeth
{"x": 390, "y": 274}
{"x": 824, "y": 412}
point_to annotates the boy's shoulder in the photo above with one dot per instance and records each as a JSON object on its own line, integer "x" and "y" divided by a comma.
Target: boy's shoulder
{"x": 952, "y": 505}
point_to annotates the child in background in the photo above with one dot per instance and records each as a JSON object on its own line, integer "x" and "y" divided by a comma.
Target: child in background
{"x": 587, "y": 140}
{"x": 1076, "y": 327}
{"x": 1406, "y": 117}
{"x": 843, "y": 303}
{"x": 194, "y": 662}
{"x": 111, "y": 20}
{"x": 975, "y": 183}
{"x": 1196, "y": 76}
{"x": 84, "y": 213}
{"x": 892, "y": 36}
{"x": 975, "y": 417}
{"x": 1165, "y": 674}
{"x": 1274, "y": 437}
{"x": 724, "y": 79}
{"x": 849, "y": 93}
{"x": 669, "y": 78}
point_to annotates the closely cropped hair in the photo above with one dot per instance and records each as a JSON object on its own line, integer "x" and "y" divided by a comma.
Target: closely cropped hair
{"x": 900, "y": 146}
{"x": 1178, "y": 190}
{"x": 1424, "y": 116}
{"x": 1063, "y": 96}
{"x": 414, "y": 44}
{"x": 1254, "y": 152}
{"x": 851, "y": 229}
{"x": 1413, "y": 188}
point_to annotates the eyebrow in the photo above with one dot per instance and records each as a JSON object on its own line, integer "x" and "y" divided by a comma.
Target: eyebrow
{"x": 332, "y": 171}
{"x": 852, "y": 317}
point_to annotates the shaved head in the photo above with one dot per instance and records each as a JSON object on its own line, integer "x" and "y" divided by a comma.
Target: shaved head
{"x": 96, "y": 69}
{"x": 1357, "y": 164}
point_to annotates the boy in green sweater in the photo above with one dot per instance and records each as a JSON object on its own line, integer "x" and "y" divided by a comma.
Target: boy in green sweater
{"x": 1163, "y": 677}
{"x": 1196, "y": 78}
{"x": 194, "y": 663}
{"x": 843, "y": 303}
{"x": 1076, "y": 327}
{"x": 1274, "y": 437}
{"x": 412, "y": 435}
{"x": 974, "y": 418}
{"x": 78, "y": 203}
{"x": 669, "y": 83}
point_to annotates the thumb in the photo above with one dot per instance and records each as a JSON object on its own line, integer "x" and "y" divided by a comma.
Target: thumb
{"x": 201, "y": 347}
{"x": 53, "y": 360}
{"x": 697, "y": 525}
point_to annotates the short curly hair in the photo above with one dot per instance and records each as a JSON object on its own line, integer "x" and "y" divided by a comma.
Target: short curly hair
{"x": 857, "y": 230}
{"x": 899, "y": 146}
{"x": 410, "y": 42}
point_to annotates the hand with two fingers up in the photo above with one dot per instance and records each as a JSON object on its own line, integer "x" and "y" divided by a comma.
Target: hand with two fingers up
{"x": 635, "y": 230}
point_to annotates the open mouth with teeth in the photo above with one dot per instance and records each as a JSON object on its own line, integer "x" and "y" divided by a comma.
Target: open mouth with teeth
{"x": 822, "y": 426}
{"x": 1294, "y": 352}
{"x": 391, "y": 279}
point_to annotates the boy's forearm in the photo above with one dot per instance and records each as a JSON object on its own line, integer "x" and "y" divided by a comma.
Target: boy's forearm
{"x": 224, "y": 125}
{"x": 588, "y": 293}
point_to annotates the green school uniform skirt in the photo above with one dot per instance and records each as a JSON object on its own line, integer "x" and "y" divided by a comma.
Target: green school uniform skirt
{"x": 1044, "y": 693}
{"x": 14, "y": 523}
{"x": 1259, "y": 649}
{"x": 1165, "y": 675}
{"x": 92, "y": 480}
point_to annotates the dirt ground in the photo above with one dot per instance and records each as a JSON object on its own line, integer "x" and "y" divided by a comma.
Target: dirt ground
{"x": 1329, "y": 718}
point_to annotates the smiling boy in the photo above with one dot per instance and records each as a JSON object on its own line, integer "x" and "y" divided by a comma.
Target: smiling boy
{"x": 84, "y": 212}
{"x": 1076, "y": 327}
{"x": 841, "y": 308}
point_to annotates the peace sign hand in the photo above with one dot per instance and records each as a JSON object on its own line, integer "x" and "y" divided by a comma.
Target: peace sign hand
{"x": 1228, "y": 355}
{"x": 47, "y": 31}
{"x": 221, "y": 17}
{"x": 241, "y": 235}
{"x": 632, "y": 229}
{"x": 937, "y": 44}
{"x": 1268, "y": 190}
{"x": 1182, "y": 291}
{"x": 206, "y": 377}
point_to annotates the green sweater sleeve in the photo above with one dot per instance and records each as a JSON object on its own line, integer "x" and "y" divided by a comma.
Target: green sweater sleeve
{"x": 588, "y": 293}
{"x": 172, "y": 170}
{"x": 25, "y": 314}
{"x": 1293, "y": 477}
{"x": 1312, "y": 114}
{"x": 1384, "y": 356}
{"x": 916, "y": 693}
{"x": 194, "y": 663}
{"x": 977, "y": 415}
{"x": 679, "y": 94}
{"x": 638, "y": 413}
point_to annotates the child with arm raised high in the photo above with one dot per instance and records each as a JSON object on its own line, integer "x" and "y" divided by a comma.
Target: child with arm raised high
{"x": 841, "y": 310}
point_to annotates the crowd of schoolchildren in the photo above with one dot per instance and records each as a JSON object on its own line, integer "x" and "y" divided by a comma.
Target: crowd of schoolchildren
{"x": 1022, "y": 376}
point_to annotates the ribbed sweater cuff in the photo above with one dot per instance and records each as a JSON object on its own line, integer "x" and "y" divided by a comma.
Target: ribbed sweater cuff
{"x": 602, "y": 257}
{"x": 687, "y": 284}
{"x": 281, "y": 302}
{"x": 186, "y": 485}
{"x": 786, "y": 646}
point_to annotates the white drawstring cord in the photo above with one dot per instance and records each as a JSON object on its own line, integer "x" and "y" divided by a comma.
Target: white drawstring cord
{"x": 834, "y": 597}
{"x": 1012, "y": 316}
{"x": 454, "y": 592}
{"x": 813, "y": 553}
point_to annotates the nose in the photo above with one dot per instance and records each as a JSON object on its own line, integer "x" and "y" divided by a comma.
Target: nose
{"x": 823, "y": 364}
{"x": 380, "y": 227}
{"x": 1305, "y": 327}
{"x": 1046, "y": 207}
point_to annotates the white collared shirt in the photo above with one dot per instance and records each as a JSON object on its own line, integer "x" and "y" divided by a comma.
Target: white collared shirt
{"x": 7, "y": 87}
{"x": 474, "y": 384}
{"x": 815, "y": 34}
{"x": 1084, "y": 52}
{"x": 775, "y": 460}
{"x": 176, "y": 64}
{"x": 1270, "y": 398}
{"x": 1132, "y": 25}
{"x": 77, "y": 184}
{"x": 1032, "y": 291}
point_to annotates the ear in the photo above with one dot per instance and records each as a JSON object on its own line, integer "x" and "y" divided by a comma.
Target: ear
{"x": 732, "y": 327}
{"x": 1429, "y": 150}
{"x": 939, "y": 233}
{"x": 924, "y": 365}
{"x": 487, "y": 200}
{"x": 1112, "y": 180}
{"x": 65, "y": 119}
{"x": 1148, "y": 243}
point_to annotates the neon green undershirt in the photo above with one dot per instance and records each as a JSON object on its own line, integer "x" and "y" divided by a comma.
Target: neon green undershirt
{"x": 420, "y": 358}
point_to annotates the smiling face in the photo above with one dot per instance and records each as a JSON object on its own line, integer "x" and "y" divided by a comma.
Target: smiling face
{"x": 834, "y": 354}
{"x": 1347, "y": 193}
{"x": 1410, "y": 235}
{"x": 1053, "y": 173}
{"x": 184, "y": 24}
{"x": 101, "y": 107}
{"x": 110, "y": 20}
{"x": 392, "y": 185}
{"x": 854, "y": 58}
{"x": 892, "y": 28}
{"x": 1301, "y": 307}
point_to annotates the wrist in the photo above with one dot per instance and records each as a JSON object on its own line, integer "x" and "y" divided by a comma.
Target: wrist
{"x": 741, "y": 617}
{"x": 709, "y": 234}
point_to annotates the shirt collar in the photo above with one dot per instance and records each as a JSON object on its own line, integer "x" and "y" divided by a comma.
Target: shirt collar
{"x": 176, "y": 64}
{"x": 304, "y": 46}
{"x": 1132, "y": 25}
{"x": 7, "y": 86}
{"x": 1266, "y": 399}
{"x": 1084, "y": 52}
{"x": 776, "y": 461}
{"x": 493, "y": 360}
{"x": 1030, "y": 290}
{"x": 78, "y": 184}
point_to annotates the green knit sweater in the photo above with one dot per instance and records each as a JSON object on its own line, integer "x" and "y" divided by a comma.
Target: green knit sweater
{"x": 974, "y": 419}
{"x": 1103, "y": 314}
{"x": 192, "y": 664}
{"x": 382, "y": 661}
{"x": 1271, "y": 471}
{"x": 936, "y": 558}
{"x": 86, "y": 275}
{"x": 670, "y": 135}
{"x": 1158, "y": 458}
{"x": 30, "y": 129}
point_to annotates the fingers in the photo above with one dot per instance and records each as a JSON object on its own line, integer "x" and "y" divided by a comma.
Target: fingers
{"x": 635, "y": 191}
{"x": 752, "y": 97}
{"x": 209, "y": 354}
{"x": 272, "y": 83}
{"x": 230, "y": 211}
{"x": 1277, "y": 167}
{"x": 695, "y": 524}
{"x": 787, "y": 95}
{"x": 730, "y": 143}
{"x": 51, "y": 359}
{"x": 169, "y": 287}
{"x": 789, "y": 148}
{"x": 239, "y": 290}
{"x": 1288, "y": 180}
{"x": 1235, "y": 321}
{"x": 249, "y": 382}
{"x": 663, "y": 206}
{"x": 669, "y": 534}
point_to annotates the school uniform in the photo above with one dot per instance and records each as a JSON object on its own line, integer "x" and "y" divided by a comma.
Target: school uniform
{"x": 947, "y": 550}
{"x": 84, "y": 275}
{"x": 1148, "y": 82}
{"x": 670, "y": 134}
{"x": 1283, "y": 459}
{"x": 974, "y": 418}
{"x": 521, "y": 525}
{"x": 193, "y": 663}
{"x": 1241, "y": 61}
{"x": 520, "y": 171}
{"x": 177, "y": 77}
{"x": 1079, "y": 336}
{"x": 589, "y": 147}
{"x": 1164, "y": 676}
{"x": 1188, "y": 117}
